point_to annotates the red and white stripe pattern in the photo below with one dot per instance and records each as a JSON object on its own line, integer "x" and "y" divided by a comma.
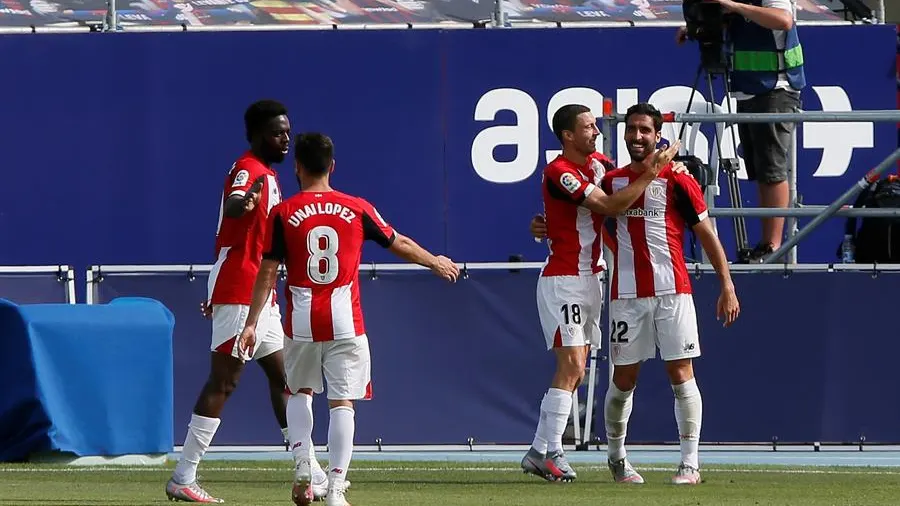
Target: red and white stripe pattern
{"x": 324, "y": 314}
{"x": 574, "y": 233}
{"x": 647, "y": 240}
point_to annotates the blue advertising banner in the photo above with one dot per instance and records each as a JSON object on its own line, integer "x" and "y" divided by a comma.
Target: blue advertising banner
{"x": 451, "y": 362}
{"x": 324, "y": 13}
{"x": 445, "y": 131}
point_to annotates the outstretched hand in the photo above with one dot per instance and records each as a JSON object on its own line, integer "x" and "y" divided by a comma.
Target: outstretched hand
{"x": 444, "y": 268}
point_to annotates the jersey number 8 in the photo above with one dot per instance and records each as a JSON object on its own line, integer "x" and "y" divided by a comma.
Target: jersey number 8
{"x": 322, "y": 266}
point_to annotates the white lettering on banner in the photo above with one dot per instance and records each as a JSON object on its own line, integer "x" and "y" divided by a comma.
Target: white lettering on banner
{"x": 837, "y": 140}
{"x": 523, "y": 135}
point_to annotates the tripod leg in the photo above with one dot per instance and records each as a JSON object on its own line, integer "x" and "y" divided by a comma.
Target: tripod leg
{"x": 691, "y": 100}
{"x": 734, "y": 189}
{"x": 742, "y": 241}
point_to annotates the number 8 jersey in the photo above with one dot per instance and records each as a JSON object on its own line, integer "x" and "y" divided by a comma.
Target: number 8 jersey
{"x": 319, "y": 237}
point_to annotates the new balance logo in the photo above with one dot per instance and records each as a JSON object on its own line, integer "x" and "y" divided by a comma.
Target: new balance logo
{"x": 298, "y": 444}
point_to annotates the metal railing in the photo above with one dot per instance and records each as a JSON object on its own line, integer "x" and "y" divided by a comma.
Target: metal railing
{"x": 96, "y": 274}
{"x": 794, "y": 210}
{"x": 64, "y": 274}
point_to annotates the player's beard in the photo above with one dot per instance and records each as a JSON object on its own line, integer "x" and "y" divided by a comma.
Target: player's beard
{"x": 640, "y": 155}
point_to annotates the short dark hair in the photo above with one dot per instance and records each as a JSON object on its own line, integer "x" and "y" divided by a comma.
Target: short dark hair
{"x": 564, "y": 118}
{"x": 315, "y": 152}
{"x": 259, "y": 113}
{"x": 646, "y": 109}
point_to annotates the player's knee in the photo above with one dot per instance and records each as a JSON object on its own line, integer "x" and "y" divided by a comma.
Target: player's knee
{"x": 625, "y": 384}
{"x": 625, "y": 378}
{"x": 679, "y": 371}
{"x": 222, "y": 385}
{"x": 572, "y": 369}
{"x": 340, "y": 403}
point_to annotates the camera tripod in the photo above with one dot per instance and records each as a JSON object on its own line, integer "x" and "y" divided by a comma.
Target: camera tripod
{"x": 729, "y": 165}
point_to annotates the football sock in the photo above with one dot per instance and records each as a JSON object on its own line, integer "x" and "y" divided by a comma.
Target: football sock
{"x": 617, "y": 411}
{"x": 300, "y": 425}
{"x": 341, "y": 427}
{"x": 199, "y": 436}
{"x": 555, "y": 409}
{"x": 540, "y": 435}
{"x": 688, "y": 414}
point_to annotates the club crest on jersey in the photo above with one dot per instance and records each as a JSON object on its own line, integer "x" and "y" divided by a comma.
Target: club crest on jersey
{"x": 241, "y": 178}
{"x": 655, "y": 191}
{"x": 569, "y": 182}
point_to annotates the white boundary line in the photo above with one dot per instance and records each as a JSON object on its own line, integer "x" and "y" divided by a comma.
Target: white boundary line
{"x": 287, "y": 467}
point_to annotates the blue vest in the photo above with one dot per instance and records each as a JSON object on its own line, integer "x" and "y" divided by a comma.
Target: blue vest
{"x": 754, "y": 57}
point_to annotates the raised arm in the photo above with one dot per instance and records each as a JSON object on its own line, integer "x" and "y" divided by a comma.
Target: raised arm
{"x": 600, "y": 202}
{"x": 244, "y": 194}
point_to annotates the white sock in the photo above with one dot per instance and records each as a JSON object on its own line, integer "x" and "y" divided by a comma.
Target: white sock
{"x": 617, "y": 411}
{"x": 300, "y": 425}
{"x": 200, "y": 434}
{"x": 689, "y": 414}
{"x": 540, "y": 435}
{"x": 555, "y": 409}
{"x": 341, "y": 427}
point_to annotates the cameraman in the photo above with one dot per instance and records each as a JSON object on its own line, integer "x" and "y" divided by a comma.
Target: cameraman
{"x": 766, "y": 77}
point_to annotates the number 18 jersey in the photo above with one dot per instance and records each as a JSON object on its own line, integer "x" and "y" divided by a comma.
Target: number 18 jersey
{"x": 319, "y": 237}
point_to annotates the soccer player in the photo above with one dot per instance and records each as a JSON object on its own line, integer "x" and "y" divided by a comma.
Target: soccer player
{"x": 319, "y": 235}
{"x": 569, "y": 295}
{"x": 651, "y": 305}
{"x": 251, "y": 190}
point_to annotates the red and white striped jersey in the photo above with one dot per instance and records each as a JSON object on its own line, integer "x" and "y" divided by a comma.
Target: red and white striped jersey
{"x": 647, "y": 240}
{"x": 239, "y": 241}
{"x": 573, "y": 231}
{"x": 319, "y": 237}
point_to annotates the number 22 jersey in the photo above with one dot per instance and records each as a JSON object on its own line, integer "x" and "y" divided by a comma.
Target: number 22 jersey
{"x": 319, "y": 237}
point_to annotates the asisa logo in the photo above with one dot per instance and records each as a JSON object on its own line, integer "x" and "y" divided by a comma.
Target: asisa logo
{"x": 835, "y": 141}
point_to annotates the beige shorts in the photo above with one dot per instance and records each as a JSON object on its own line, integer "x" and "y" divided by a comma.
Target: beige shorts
{"x": 639, "y": 326}
{"x": 345, "y": 363}
{"x": 569, "y": 308}
{"x": 228, "y": 322}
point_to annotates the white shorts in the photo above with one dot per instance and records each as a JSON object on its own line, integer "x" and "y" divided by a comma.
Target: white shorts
{"x": 569, "y": 308}
{"x": 346, "y": 364}
{"x": 639, "y": 326}
{"x": 228, "y": 322}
